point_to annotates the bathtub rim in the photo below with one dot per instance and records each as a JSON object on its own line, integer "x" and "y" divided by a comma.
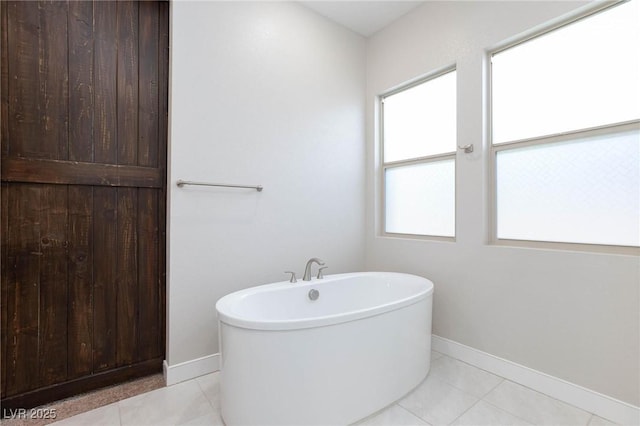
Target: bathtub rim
{"x": 323, "y": 321}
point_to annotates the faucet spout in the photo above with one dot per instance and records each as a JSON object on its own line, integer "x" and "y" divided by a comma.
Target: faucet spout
{"x": 307, "y": 268}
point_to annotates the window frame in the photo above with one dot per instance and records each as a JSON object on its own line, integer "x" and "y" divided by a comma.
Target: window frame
{"x": 495, "y": 148}
{"x": 383, "y": 166}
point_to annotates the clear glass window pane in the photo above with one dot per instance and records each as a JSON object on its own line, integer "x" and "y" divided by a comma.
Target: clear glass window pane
{"x": 583, "y": 191}
{"x": 421, "y": 120}
{"x": 420, "y": 199}
{"x": 580, "y": 76}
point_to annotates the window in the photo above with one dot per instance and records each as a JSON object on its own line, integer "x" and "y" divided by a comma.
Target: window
{"x": 566, "y": 133}
{"x": 418, "y": 150}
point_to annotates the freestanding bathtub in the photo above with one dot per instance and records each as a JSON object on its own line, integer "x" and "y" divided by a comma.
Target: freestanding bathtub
{"x": 288, "y": 360}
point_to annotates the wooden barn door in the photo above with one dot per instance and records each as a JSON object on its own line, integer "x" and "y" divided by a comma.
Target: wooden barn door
{"x": 83, "y": 127}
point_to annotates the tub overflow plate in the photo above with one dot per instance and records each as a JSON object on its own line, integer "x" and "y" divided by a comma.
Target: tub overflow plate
{"x": 314, "y": 294}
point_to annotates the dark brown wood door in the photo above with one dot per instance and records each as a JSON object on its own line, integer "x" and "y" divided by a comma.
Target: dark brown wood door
{"x": 83, "y": 127}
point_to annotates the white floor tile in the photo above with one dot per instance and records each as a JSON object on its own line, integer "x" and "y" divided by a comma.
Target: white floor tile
{"x": 451, "y": 393}
{"x": 465, "y": 377}
{"x": 435, "y": 355}
{"x": 483, "y": 414}
{"x": 109, "y": 415}
{"x": 167, "y": 406}
{"x": 599, "y": 421}
{"x": 437, "y": 402}
{"x": 211, "y": 419}
{"x": 535, "y": 407}
{"x": 393, "y": 415}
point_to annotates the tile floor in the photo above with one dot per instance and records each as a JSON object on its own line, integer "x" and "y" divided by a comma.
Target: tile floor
{"x": 454, "y": 393}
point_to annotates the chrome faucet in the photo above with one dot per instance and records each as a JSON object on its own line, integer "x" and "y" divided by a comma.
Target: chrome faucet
{"x": 307, "y": 269}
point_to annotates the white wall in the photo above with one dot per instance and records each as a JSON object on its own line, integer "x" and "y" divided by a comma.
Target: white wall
{"x": 270, "y": 94}
{"x": 574, "y": 315}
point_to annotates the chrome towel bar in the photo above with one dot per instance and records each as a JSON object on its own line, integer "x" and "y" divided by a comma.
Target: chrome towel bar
{"x": 182, "y": 183}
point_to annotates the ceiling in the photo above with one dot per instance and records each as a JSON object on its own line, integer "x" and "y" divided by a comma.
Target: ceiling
{"x": 363, "y": 17}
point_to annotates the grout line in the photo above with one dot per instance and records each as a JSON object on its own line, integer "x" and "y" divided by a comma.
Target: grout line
{"x": 553, "y": 398}
{"x": 502, "y": 379}
{"x": 119, "y": 413}
{"x": 546, "y": 396}
{"x": 465, "y": 411}
{"x": 413, "y": 414}
{"x": 444, "y": 378}
{"x": 506, "y": 411}
{"x": 205, "y": 394}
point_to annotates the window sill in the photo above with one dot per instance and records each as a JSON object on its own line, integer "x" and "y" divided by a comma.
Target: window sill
{"x": 567, "y": 247}
{"x": 430, "y": 238}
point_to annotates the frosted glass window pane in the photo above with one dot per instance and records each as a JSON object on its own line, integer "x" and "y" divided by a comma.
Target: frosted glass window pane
{"x": 420, "y": 199}
{"x": 421, "y": 120}
{"x": 583, "y": 191}
{"x": 580, "y": 76}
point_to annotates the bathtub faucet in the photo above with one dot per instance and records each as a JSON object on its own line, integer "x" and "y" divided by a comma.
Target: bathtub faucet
{"x": 307, "y": 269}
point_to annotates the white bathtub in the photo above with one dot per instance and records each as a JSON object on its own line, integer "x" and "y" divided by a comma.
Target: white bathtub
{"x": 288, "y": 360}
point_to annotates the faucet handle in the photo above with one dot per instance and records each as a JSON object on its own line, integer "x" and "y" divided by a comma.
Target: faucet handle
{"x": 293, "y": 276}
{"x": 320, "y": 276}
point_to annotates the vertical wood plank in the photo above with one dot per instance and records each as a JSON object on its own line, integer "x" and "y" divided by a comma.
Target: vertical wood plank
{"x": 127, "y": 82}
{"x": 127, "y": 282}
{"x": 23, "y": 288}
{"x": 80, "y": 323}
{"x": 4, "y": 211}
{"x": 24, "y": 93}
{"x": 81, "y": 81}
{"x": 54, "y": 81}
{"x": 4, "y": 282}
{"x": 148, "y": 280}
{"x": 4, "y": 81}
{"x": 163, "y": 101}
{"x": 105, "y": 267}
{"x": 148, "y": 212}
{"x": 105, "y": 83}
{"x": 53, "y": 284}
{"x": 4, "y": 194}
{"x": 127, "y": 241}
{"x": 148, "y": 84}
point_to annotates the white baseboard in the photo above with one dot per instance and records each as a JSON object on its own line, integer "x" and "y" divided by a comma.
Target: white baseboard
{"x": 602, "y": 405}
{"x": 190, "y": 369}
